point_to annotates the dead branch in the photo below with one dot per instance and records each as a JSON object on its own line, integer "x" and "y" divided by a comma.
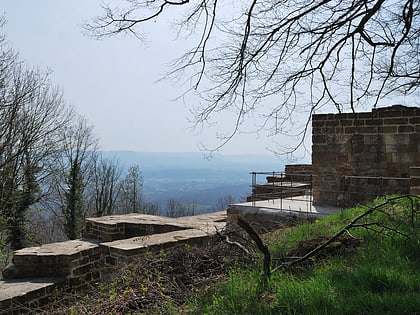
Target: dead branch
{"x": 260, "y": 244}
{"x": 353, "y": 223}
{"x": 237, "y": 244}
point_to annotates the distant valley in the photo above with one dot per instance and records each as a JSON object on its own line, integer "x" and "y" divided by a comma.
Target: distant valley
{"x": 193, "y": 179}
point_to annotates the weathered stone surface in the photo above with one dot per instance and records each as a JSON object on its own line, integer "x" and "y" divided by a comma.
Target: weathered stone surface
{"x": 138, "y": 245}
{"x": 111, "y": 228}
{"x": 53, "y": 260}
{"x": 16, "y": 296}
{"x": 79, "y": 262}
{"x": 383, "y": 144}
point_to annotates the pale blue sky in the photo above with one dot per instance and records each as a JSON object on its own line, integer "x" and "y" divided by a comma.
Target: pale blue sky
{"x": 112, "y": 82}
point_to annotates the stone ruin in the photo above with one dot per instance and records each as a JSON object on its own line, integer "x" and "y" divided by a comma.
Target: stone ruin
{"x": 109, "y": 241}
{"x": 350, "y": 153}
{"x": 357, "y": 156}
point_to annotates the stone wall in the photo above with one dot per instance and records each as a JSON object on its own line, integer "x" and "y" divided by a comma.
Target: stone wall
{"x": 415, "y": 180}
{"x": 358, "y": 155}
{"x": 295, "y": 181}
{"x": 37, "y": 272}
{"x": 117, "y": 227}
{"x": 298, "y": 172}
{"x": 77, "y": 261}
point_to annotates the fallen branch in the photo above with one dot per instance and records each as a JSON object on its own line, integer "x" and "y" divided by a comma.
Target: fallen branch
{"x": 353, "y": 223}
{"x": 237, "y": 244}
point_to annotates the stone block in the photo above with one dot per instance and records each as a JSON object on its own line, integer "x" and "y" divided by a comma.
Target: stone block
{"x": 387, "y": 129}
{"x": 390, "y": 113}
{"x": 345, "y": 122}
{"x": 359, "y": 122}
{"x": 370, "y": 139}
{"x": 415, "y": 190}
{"x": 367, "y": 129}
{"x": 81, "y": 270}
{"x": 411, "y": 111}
{"x": 364, "y": 116}
{"x": 414, "y": 120}
{"x": 404, "y": 157}
{"x": 406, "y": 129}
{"x": 374, "y": 122}
{"x": 396, "y": 121}
{"x": 332, "y": 123}
{"x": 328, "y": 130}
{"x": 350, "y": 130}
{"x": 319, "y": 139}
{"x": 392, "y": 148}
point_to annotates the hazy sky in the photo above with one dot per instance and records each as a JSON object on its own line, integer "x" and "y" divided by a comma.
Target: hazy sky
{"x": 112, "y": 82}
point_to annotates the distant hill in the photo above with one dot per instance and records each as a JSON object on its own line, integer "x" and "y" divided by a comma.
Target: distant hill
{"x": 192, "y": 178}
{"x": 153, "y": 161}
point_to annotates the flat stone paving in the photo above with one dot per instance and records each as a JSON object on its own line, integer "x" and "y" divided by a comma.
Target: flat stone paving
{"x": 67, "y": 248}
{"x": 138, "y": 245}
{"x": 19, "y": 287}
{"x": 145, "y": 219}
{"x": 300, "y": 205}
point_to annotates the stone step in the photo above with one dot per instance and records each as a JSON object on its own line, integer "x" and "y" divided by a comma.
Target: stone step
{"x": 18, "y": 296}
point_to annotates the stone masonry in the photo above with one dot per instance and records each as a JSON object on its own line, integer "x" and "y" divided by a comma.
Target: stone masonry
{"x": 39, "y": 271}
{"x": 384, "y": 143}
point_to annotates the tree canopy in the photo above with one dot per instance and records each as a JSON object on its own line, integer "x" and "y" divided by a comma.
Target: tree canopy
{"x": 278, "y": 60}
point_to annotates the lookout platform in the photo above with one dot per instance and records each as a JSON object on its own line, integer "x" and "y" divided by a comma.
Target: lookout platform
{"x": 299, "y": 206}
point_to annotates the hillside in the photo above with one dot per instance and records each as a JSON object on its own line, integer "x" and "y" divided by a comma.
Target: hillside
{"x": 193, "y": 178}
{"x": 373, "y": 268}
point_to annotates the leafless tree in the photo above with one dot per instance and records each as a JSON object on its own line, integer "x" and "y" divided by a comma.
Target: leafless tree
{"x": 104, "y": 186}
{"x": 31, "y": 114}
{"x": 224, "y": 202}
{"x": 278, "y": 61}
{"x": 176, "y": 208}
{"x": 131, "y": 190}
{"x": 151, "y": 208}
{"x": 73, "y": 170}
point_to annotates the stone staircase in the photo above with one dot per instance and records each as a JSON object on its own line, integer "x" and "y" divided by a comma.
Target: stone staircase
{"x": 295, "y": 181}
{"x": 108, "y": 242}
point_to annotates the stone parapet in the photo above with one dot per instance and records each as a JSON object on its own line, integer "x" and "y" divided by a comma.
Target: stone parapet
{"x": 73, "y": 264}
{"x": 24, "y": 295}
{"x": 126, "y": 250}
{"x": 76, "y": 260}
{"x": 383, "y": 143}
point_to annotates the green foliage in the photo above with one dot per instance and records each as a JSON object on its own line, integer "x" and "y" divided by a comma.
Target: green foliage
{"x": 5, "y": 255}
{"x": 380, "y": 277}
{"x": 73, "y": 208}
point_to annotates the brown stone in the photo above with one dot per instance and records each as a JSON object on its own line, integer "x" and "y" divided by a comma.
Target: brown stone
{"x": 387, "y": 129}
{"x": 404, "y": 129}
{"x": 374, "y": 122}
{"x": 396, "y": 121}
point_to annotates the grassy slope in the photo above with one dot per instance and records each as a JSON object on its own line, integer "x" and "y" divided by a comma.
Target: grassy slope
{"x": 380, "y": 276}
{"x": 373, "y": 269}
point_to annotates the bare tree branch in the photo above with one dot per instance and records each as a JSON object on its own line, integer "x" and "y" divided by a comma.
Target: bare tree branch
{"x": 353, "y": 224}
{"x": 279, "y": 61}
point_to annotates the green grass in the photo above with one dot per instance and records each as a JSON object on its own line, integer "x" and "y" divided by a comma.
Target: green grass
{"x": 381, "y": 276}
